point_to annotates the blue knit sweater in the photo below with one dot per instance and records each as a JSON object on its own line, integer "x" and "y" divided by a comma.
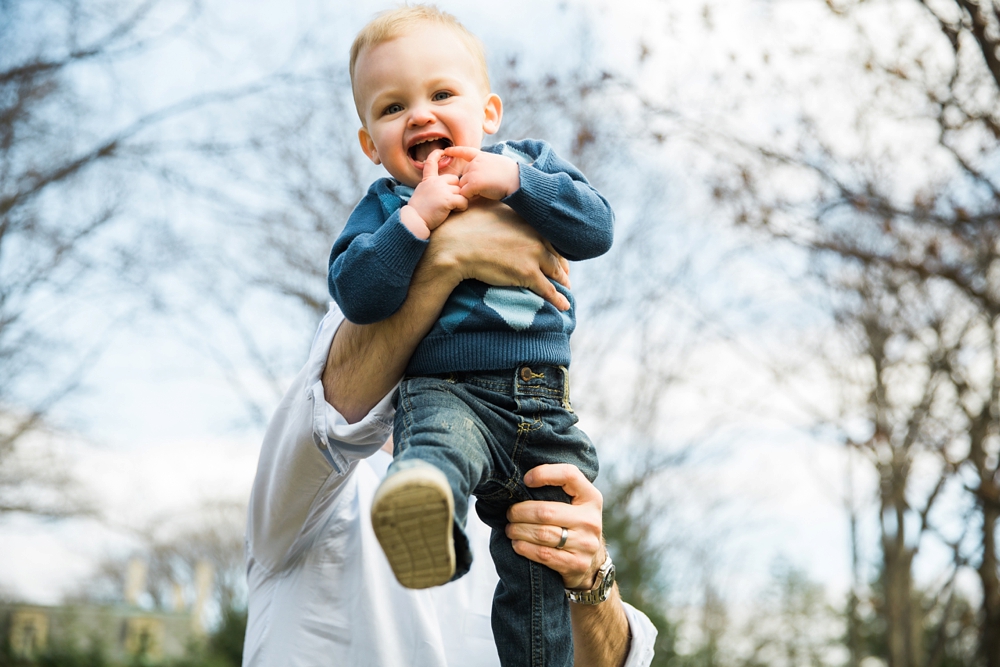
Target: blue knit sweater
{"x": 481, "y": 327}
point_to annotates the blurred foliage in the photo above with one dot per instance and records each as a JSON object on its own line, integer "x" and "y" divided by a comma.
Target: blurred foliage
{"x": 793, "y": 622}
{"x": 638, "y": 558}
{"x": 223, "y": 648}
{"x": 949, "y": 626}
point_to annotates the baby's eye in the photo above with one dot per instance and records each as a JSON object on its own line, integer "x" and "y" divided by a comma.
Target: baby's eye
{"x": 391, "y": 109}
{"x": 441, "y": 95}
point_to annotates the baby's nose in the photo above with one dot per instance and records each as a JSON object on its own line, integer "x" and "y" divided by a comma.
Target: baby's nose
{"x": 420, "y": 115}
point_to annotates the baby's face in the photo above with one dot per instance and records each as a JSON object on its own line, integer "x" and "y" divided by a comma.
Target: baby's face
{"x": 419, "y": 92}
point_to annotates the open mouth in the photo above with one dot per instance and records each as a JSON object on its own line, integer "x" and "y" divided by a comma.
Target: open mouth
{"x": 419, "y": 152}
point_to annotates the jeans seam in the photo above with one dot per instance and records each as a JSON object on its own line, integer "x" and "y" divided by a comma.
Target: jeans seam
{"x": 542, "y": 391}
{"x": 406, "y": 408}
{"x": 524, "y": 429}
{"x": 537, "y": 649}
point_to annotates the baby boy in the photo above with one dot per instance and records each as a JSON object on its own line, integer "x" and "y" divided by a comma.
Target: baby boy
{"x": 486, "y": 394}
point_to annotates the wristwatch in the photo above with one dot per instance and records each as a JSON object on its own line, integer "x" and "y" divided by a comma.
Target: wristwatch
{"x": 599, "y": 593}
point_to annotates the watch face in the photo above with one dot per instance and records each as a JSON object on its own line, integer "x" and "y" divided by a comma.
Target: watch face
{"x": 609, "y": 578}
{"x": 605, "y": 579}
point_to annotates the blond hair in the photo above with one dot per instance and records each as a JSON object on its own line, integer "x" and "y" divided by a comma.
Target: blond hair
{"x": 393, "y": 23}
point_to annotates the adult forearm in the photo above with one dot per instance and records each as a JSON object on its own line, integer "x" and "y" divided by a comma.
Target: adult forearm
{"x": 366, "y": 361}
{"x": 601, "y": 636}
{"x": 488, "y": 242}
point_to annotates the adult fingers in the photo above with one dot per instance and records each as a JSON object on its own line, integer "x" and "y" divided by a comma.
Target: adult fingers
{"x": 431, "y": 164}
{"x": 563, "y": 262}
{"x": 494, "y": 245}
{"x": 541, "y": 523}
{"x": 579, "y": 539}
{"x": 567, "y": 476}
{"x": 548, "y": 513}
{"x": 540, "y": 285}
{"x": 576, "y": 563}
{"x": 555, "y": 266}
{"x": 572, "y": 566}
{"x": 535, "y": 527}
{"x": 542, "y": 535}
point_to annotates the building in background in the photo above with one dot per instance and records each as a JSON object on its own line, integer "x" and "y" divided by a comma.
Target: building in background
{"x": 120, "y": 632}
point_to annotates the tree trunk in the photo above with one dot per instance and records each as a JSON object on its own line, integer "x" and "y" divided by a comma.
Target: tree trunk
{"x": 903, "y": 640}
{"x": 988, "y": 574}
{"x": 853, "y": 619}
{"x": 901, "y": 643}
{"x": 983, "y": 428}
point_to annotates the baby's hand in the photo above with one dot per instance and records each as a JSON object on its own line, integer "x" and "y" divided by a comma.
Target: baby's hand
{"x": 435, "y": 196}
{"x": 486, "y": 174}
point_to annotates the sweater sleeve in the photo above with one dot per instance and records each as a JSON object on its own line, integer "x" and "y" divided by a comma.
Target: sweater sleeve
{"x": 372, "y": 262}
{"x": 556, "y": 199}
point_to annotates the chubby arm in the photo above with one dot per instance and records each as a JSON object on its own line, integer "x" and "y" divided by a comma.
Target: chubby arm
{"x": 488, "y": 242}
{"x": 372, "y": 262}
{"x": 602, "y": 635}
{"x": 551, "y": 194}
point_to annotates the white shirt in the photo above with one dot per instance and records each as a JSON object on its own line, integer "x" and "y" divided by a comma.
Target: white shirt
{"x": 320, "y": 588}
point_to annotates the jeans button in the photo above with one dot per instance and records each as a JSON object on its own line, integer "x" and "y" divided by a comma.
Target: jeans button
{"x": 525, "y": 373}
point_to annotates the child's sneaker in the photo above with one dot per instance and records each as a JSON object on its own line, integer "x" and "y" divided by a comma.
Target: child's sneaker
{"x": 412, "y": 514}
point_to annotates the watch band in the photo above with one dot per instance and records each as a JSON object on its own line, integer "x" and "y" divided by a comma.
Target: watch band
{"x": 602, "y": 587}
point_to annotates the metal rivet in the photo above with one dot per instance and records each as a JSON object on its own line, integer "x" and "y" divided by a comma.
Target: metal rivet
{"x": 525, "y": 373}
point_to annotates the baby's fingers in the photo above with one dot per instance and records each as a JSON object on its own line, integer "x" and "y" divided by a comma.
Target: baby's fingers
{"x": 468, "y": 187}
{"x": 467, "y": 153}
{"x": 431, "y": 164}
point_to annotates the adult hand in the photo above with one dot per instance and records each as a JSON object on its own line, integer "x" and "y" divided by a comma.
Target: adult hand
{"x": 489, "y": 242}
{"x": 536, "y": 526}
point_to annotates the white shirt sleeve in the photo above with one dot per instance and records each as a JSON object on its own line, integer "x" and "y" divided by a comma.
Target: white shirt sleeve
{"x": 308, "y": 451}
{"x": 643, "y": 631}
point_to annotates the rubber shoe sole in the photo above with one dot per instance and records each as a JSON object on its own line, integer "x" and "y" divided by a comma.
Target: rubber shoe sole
{"x": 412, "y": 514}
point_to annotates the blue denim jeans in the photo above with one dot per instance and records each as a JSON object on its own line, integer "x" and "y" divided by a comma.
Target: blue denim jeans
{"x": 484, "y": 430}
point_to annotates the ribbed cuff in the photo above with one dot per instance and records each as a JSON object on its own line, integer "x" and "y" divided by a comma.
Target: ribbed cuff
{"x": 397, "y": 248}
{"x": 532, "y": 199}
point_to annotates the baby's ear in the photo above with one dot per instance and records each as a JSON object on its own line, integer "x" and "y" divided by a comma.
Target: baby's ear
{"x": 494, "y": 114}
{"x": 368, "y": 145}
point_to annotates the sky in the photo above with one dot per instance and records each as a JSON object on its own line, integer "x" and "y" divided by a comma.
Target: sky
{"x": 158, "y": 431}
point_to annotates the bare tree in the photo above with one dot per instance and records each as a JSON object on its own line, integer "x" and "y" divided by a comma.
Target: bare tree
{"x": 904, "y": 222}
{"x": 60, "y": 200}
{"x": 79, "y": 248}
{"x": 905, "y": 336}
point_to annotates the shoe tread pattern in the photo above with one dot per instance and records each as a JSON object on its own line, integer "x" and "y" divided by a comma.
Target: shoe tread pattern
{"x": 413, "y": 526}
